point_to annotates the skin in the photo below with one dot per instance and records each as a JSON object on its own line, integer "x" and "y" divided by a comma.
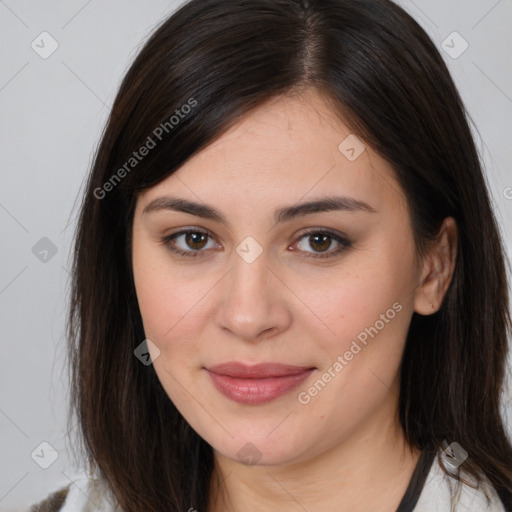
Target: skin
{"x": 344, "y": 450}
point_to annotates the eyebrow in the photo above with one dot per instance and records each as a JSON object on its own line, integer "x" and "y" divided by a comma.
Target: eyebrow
{"x": 287, "y": 213}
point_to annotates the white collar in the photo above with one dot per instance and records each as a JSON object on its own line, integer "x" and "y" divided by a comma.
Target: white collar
{"x": 442, "y": 491}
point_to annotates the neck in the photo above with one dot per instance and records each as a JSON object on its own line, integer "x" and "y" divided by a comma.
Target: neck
{"x": 370, "y": 470}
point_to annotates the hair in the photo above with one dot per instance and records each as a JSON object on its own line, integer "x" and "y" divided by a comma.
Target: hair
{"x": 386, "y": 80}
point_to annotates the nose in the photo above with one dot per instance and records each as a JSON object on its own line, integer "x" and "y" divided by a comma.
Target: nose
{"x": 253, "y": 304}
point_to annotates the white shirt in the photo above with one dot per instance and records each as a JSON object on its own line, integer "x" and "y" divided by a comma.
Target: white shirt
{"x": 438, "y": 495}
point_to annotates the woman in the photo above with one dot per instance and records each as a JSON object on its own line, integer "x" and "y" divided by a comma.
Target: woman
{"x": 289, "y": 286}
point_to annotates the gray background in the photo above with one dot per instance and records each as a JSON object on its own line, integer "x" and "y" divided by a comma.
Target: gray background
{"x": 53, "y": 111}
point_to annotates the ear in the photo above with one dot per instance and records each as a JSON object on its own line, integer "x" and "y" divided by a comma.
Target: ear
{"x": 437, "y": 269}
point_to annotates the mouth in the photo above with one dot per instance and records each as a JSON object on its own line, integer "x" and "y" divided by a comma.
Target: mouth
{"x": 259, "y": 383}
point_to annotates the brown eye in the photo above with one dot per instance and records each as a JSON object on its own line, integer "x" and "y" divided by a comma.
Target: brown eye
{"x": 321, "y": 241}
{"x": 195, "y": 240}
{"x": 188, "y": 243}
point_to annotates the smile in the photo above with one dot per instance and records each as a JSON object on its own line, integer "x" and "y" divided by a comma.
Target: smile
{"x": 257, "y": 384}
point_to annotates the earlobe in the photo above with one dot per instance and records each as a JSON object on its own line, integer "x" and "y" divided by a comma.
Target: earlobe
{"x": 437, "y": 270}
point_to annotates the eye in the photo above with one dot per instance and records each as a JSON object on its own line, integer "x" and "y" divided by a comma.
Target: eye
{"x": 195, "y": 240}
{"x": 192, "y": 239}
{"x": 321, "y": 241}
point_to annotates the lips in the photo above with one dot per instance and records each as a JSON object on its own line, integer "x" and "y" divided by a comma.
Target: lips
{"x": 259, "y": 383}
{"x": 257, "y": 371}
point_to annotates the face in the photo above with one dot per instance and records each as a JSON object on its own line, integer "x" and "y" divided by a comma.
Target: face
{"x": 328, "y": 290}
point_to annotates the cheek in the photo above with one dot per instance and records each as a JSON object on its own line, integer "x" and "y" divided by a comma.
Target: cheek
{"x": 346, "y": 303}
{"x": 361, "y": 356}
{"x": 365, "y": 317}
{"x": 171, "y": 313}
{"x": 167, "y": 300}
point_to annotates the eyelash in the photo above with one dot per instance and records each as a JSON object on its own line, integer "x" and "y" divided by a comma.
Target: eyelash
{"x": 344, "y": 243}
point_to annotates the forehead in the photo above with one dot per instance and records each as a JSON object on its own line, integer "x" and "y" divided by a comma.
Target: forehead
{"x": 289, "y": 149}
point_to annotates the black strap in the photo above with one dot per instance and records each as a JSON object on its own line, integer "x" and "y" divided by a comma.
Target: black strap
{"x": 417, "y": 481}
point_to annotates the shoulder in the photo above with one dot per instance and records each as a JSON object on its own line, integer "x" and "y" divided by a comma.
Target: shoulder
{"x": 442, "y": 492}
{"x": 53, "y": 502}
{"x": 83, "y": 495}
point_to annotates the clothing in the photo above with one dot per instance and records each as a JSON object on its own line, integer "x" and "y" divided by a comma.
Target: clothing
{"x": 83, "y": 495}
{"x": 438, "y": 495}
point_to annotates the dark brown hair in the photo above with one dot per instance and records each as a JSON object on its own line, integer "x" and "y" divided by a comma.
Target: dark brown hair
{"x": 384, "y": 77}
